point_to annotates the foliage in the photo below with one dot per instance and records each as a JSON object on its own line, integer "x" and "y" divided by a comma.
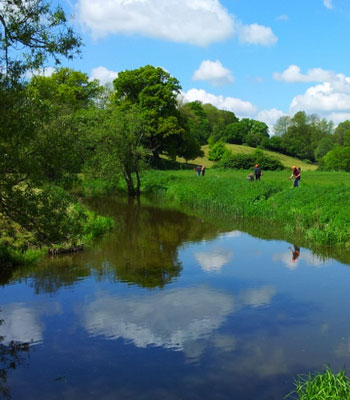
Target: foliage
{"x": 337, "y": 159}
{"x": 342, "y": 134}
{"x": 154, "y": 91}
{"x": 247, "y": 161}
{"x": 117, "y": 147}
{"x": 199, "y": 124}
{"x": 314, "y": 212}
{"x": 322, "y": 386}
{"x": 302, "y": 134}
{"x": 217, "y": 151}
{"x": 30, "y": 33}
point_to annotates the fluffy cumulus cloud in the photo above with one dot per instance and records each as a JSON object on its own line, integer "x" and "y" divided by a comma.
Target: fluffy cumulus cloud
{"x": 293, "y": 74}
{"x": 329, "y": 99}
{"x": 104, "y": 75}
{"x": 198, "y": 22}
{"x": 256, "y": 34}
{"x": 240, "y": 107}
{"x": 213, "y": 72}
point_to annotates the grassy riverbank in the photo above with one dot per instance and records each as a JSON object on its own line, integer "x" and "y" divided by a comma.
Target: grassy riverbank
{"x": 317, "y": 211}
{"x": 18, "y": 247}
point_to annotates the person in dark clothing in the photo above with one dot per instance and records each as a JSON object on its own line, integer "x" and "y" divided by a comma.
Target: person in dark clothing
{"x": 295, "y": 252}
{"x": 198, "y": 170}
{"x": 203, "y": 170}
{"x": 257, "y": 172}
{"x": 296, "y": 172}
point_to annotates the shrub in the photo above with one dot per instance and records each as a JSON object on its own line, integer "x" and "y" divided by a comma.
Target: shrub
{"x": 337, "y": 159}
{"x": 246, "y": 161}
{"x": 217, "y": 151}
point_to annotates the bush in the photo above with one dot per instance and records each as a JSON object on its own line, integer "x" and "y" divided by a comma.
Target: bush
{"x": 217, "y": 151}
{"x": 246, "y": 161}
{"x": 337, "y": 159}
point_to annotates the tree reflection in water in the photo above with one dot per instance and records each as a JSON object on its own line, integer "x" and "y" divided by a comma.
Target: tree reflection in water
{"x": 142, "y": 250}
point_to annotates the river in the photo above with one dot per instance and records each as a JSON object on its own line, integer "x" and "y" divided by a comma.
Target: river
{"x": 169, "y": 306}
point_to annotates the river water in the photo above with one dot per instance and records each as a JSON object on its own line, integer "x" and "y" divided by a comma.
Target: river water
{"x": 170, "y": 307}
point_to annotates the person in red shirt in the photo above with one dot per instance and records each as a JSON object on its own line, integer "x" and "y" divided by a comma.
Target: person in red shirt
{"x": 296, "y": 175}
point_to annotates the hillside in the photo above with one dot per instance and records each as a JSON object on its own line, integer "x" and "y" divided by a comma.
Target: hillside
{"x": 287, "y": 161}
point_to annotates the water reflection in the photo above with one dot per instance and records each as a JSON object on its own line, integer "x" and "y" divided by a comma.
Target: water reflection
{"x": 12, "y": 354}
{"x": 144, "y": 247}
{"x": 293, "y": 257}
{"x": 179, "y": 319}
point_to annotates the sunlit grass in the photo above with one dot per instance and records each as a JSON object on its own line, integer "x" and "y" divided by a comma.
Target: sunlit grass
{"x": 317, "y": 211}
{"x": 322, "y": 386}
{"x": 287, "y": 161}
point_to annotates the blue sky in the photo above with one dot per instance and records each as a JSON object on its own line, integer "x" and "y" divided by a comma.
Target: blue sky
{"x": 258, "y": 58}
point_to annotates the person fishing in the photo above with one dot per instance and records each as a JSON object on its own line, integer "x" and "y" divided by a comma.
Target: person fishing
{"x": 296, "y": 172}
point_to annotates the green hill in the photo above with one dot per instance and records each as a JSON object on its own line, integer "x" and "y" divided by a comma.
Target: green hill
{"x": 287, "y": 161}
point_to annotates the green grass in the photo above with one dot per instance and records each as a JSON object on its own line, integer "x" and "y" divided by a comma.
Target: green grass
{"x": 287, "y": 161}
{"x": 322, "y": 386}
{"x": 316, "y": 212}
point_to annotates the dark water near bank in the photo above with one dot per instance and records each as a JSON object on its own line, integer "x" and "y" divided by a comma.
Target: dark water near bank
{"x": 168, "y": 307}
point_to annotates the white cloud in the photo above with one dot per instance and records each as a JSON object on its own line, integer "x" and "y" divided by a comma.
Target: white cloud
{"x": 21, "y": 324}
{"x": 326, "y": 99}
{"x": 283, "y": 17}
{"x": 258, "y": 296}
{"x": 270, "y": 117}
{"x": 328, "y": 4}
{"x": 214, "y": 260}
{"x": 198, "y": 22}
{"x": 159, "y": 319}
{"x": 240, "y": 107}
{"x": 103, "y": 74}
{"x": 292, "y": 74}
{"x": 256, "y": 34}
{"x": 47, "y": 72}
{"x": 214, "y": 72}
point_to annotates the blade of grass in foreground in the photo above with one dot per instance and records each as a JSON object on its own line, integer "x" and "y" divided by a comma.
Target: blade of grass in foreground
{"x": 322, "y": 386}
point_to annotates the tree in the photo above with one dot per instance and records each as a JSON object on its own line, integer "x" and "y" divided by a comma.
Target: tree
{"x": 199, "y": 125}
{"x": 342, "y": 134}
{"x": 282, "y": 125}
{"x": 31, "y": 32}
{"x": 60, "y": 147}
{"x": 325, "y": 145}
{"x": 117, "y": 150}
{"x": 26, "y": 197}
{"x": 337, "y": 159}
{"x": 154, "y": 91}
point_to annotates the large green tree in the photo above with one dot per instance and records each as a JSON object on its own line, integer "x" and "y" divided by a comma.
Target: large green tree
{"x": 154, "y": 91}
{"x": 31, "y": 32}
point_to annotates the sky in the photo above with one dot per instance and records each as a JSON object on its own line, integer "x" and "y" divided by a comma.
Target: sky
{"x": 260, "y": 59}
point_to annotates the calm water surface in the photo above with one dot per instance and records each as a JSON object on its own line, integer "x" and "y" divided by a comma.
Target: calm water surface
{"x": 168, "y": 307}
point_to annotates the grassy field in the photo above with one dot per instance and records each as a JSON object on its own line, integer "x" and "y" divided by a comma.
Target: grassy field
{"x": 287, "y": 161}
{"x": 317, "y": 212}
